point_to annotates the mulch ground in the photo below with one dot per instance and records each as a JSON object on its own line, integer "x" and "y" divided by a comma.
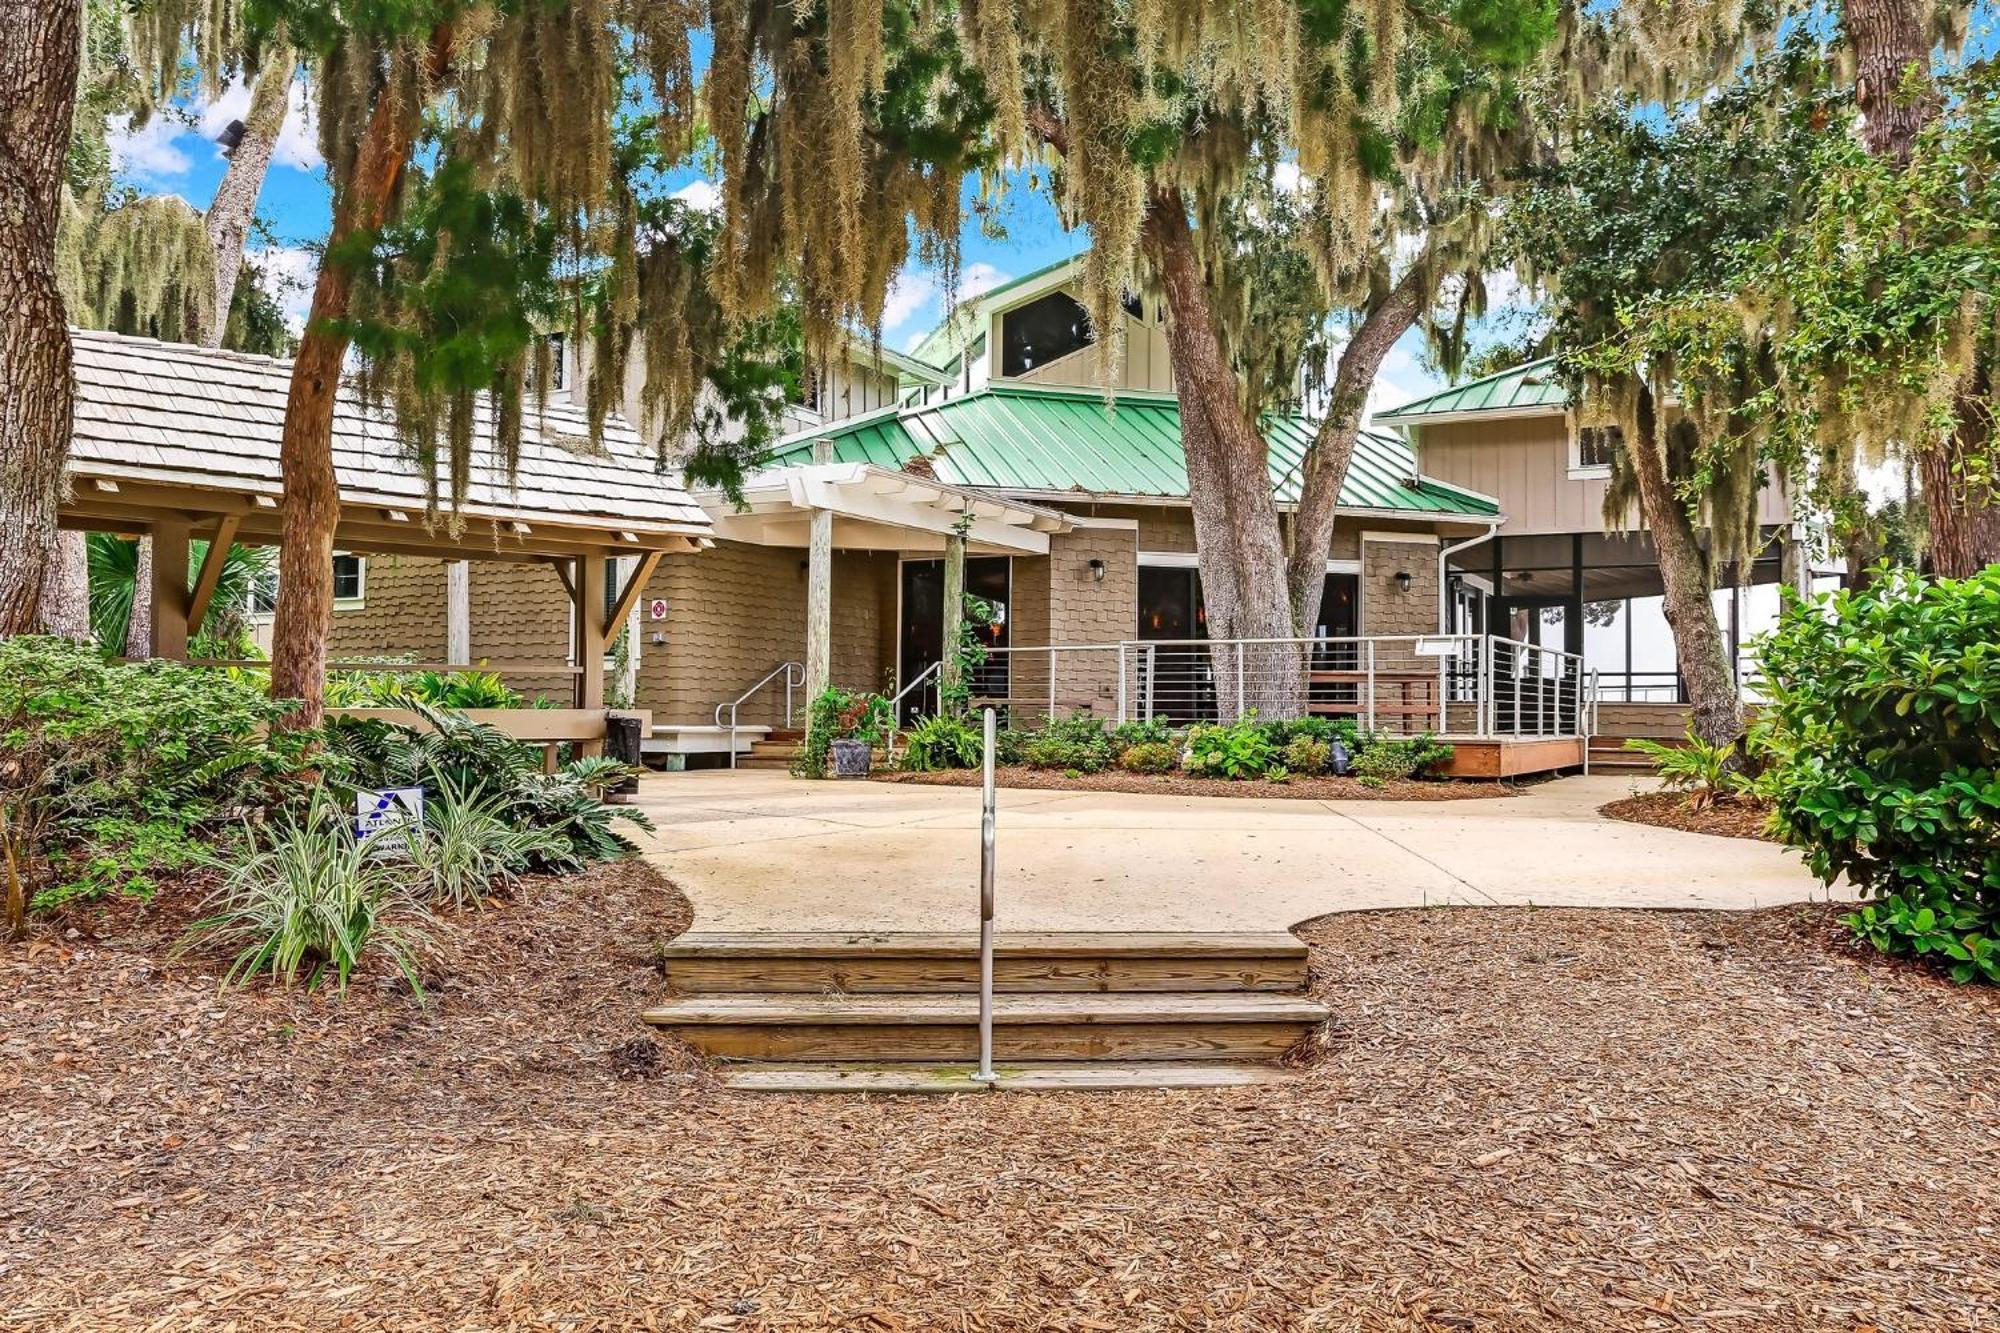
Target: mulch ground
{"x": 1522, "y": 1119}
{"x": 1665, "y": 809}
{"x": 1179, "y": 784}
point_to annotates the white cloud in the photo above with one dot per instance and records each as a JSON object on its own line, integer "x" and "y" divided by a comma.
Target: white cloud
{"x": 148, "y": 153}
{"x": 977, "y": 278}
{"x": 1285, "y": 176}
{"x": 908, "y": 294}
{"x": 290, "y": 273}
{"x": 701, "y": 195}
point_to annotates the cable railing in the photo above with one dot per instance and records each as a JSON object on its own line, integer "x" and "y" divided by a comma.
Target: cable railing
{"x": 1448, "y": 684}
{"x": 795, "y": 678}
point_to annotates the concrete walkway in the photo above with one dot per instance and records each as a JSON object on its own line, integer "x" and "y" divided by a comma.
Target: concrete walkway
{"x": 764, "y": 851}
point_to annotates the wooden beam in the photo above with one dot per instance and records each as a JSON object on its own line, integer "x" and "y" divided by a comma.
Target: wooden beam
{"x": 588, "y": 604}
{"x": 170, "y": 587}
{"x": 212, "y": 562}
{"x": 562, "y": 572}
{"x": 634, "y": 589}
{"x": 458, "y": 611}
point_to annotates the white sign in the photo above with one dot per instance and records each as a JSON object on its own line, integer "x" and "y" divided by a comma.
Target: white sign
{"x": 377, "y": 812}
{"x": 657, "y": 608}
{"x": 1437, "y": 647}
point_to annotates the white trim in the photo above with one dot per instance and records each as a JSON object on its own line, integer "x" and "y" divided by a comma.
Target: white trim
{"x": 1189, "y": 560}
{"x": 1106, "y": 524}
{"x": 1579, "y": 473}
{"x": 1403, "y": 538}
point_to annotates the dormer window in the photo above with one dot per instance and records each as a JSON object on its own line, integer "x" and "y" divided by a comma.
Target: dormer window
{"x": 1044, "y": 330}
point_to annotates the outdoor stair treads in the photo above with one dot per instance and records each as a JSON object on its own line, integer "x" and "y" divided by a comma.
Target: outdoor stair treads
{"x": 1052, "y": 1076}
{"x": 1207, "y": 1025}
{"x": 1073, "y": 961}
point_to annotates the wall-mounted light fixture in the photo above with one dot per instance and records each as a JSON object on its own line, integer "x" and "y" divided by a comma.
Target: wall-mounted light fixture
{"x": 1097, "y": 571}
{"x": 1403, "y": 580}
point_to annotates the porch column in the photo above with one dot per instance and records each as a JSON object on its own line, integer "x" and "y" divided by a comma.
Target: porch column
{"x": 954, "y": 613}
{"x": 819, "y": 592}
{"x": 458, "y": 612}
{"x": 588, "y": 609}
{"x": 170, "y": 588}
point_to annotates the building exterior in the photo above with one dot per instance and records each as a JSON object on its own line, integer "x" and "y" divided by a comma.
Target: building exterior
{"x": 1073, "y": 508}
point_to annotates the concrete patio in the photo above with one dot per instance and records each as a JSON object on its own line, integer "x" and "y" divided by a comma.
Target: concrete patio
{"x": 763, "y": 851}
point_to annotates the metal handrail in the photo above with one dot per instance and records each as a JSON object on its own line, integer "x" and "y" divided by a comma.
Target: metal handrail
{"x": 896, "y": 703}
{"x": 733, "y": 707}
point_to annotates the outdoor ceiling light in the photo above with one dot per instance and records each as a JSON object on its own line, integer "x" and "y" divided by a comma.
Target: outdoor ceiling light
{"x": 1097, "y": 571}
{"x": 1403, "y": 580}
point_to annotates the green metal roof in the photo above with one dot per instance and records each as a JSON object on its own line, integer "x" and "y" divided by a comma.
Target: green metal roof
{"x": 1531, "y": 386}
{"x": 1053, "y": 441}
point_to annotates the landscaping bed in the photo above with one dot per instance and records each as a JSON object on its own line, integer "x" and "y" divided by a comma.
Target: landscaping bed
{"x": 1592, "y": 1119}
{"x": 1668, "y": 809}
{"x": 1317, "y": 788}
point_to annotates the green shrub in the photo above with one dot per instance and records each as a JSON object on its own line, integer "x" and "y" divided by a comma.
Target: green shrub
{"x": 1382, "y": 758}
{"x": 468, "y": 847}
{"x": 947, "y": 740}
{"x": 1279, "y": 774}
{"x": 1150, "y": 757}
{"x": 1702, "y": 772}
{"x": 306, "y": 901}
{"x": 402, "y": 689}
{"x": 1010, "y": 747}
{"x": 1306, "y": 754}
{"x": 1078, "y": 743}
{"x": 1245, "y": 749}
{"x": 578, "y": 826}
{"x": 1884, "y": 734}
{"x": 117, "y": 854}
{"x": 1153, "y": 731}
{"x": 839, "y": 715}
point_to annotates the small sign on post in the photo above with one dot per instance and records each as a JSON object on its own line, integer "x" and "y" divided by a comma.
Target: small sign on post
{"x": 1445, "y": 646}
{"x": 657, "y": 608}
{"x": 387, "y": 812}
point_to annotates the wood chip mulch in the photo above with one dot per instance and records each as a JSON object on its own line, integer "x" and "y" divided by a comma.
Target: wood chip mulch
{"x": 1522, "y": 1120}
{"x": 1665, "y": 809}
{"x": 1178, "y": 784}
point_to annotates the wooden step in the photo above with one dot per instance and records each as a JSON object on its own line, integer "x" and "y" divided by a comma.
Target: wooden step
{"x": 1049, "y": 1076}
{"x": 1070, "y": 961}
{"x": 1203, "y": 1026}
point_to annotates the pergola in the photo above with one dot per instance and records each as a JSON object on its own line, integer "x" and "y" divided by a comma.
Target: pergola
{"x": 179, "y": 442}
{"x": 861, "y": 506}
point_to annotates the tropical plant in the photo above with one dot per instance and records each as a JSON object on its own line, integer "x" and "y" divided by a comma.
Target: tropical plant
{"x": 580, "y": 826}
{"x": 1885, "y": 716}
{"x": 123, "y": 855}
{"x": 948, "y": 740}
{"x": 225, "y": 633}
{"x": 439, "y": 689}
{"x": 1148, "y": 731}
{"x": 1152, "y": 757}
{"x": 839, "y": 715}
{"x": 306, "y": 902}
{"x": 468, "y": 846}
{"x": 1703, "y": 773}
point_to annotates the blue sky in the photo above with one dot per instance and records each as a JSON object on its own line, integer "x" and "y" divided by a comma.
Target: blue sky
{"x": 178, "y": 155}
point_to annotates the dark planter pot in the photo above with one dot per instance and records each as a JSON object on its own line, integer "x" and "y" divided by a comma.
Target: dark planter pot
{"x": 850, "y": 758}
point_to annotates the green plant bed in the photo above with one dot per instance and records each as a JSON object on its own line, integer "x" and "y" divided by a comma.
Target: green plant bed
{"x": 1293, "y": 787}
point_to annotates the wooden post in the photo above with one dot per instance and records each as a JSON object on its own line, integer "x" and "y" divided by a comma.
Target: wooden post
{"x": 588, "y": 605}
{"x": 170, "y": 588}
{"x": 819, "y": 592}
{"x": 458, "y": 612}
{"x": 954, "y": 615}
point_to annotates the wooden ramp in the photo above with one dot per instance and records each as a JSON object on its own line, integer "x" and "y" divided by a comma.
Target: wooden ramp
{"x": 900, "y": 1012}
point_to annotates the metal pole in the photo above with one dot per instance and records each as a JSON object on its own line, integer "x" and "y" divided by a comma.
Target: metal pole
{"x": 986, "y": 820}
{"x": 1121, "y": 685}
{"x": 1052, "y": 684}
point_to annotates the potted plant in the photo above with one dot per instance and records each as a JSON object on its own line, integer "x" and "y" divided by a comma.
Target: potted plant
{"x": 842, "y": 733}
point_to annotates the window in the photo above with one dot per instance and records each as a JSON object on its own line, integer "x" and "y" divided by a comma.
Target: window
{"x": 1591, "y": 449}
{"x": 1042, "y": 331}
{"x": 1133, "y": 307}
{"x": 349, "y": 578}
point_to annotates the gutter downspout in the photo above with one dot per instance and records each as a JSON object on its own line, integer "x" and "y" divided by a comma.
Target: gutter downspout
{"x": 1445, "y": 555}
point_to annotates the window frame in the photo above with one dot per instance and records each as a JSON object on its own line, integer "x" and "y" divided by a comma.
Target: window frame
{"x": 1579, "y": 470}
{"x": 360, "y": 596}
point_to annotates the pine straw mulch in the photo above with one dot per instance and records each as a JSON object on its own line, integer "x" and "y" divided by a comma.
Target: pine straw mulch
{"x": 1666, "y": 809}
{"x": 1297, "y": 788}
{"x": 1522, "y": 1120}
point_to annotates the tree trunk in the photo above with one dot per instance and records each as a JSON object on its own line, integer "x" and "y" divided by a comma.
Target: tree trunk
{"x": 1699, "y": 646}
{"x": 38, "y": 73}
{"x": 305, "y": 454}
{"x": 1888, "y": 37}
{"x": 1325, "y": 465}
{"x": 227, "y": 221}
{"x": 66, "y": 588}
{"x": 1239, "y": 547}
{"x": 139, "y": 624}
{"x": 1897, "y": 94}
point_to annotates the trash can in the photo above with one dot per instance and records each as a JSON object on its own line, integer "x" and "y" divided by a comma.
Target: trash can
{"x": 621, "y": 742}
